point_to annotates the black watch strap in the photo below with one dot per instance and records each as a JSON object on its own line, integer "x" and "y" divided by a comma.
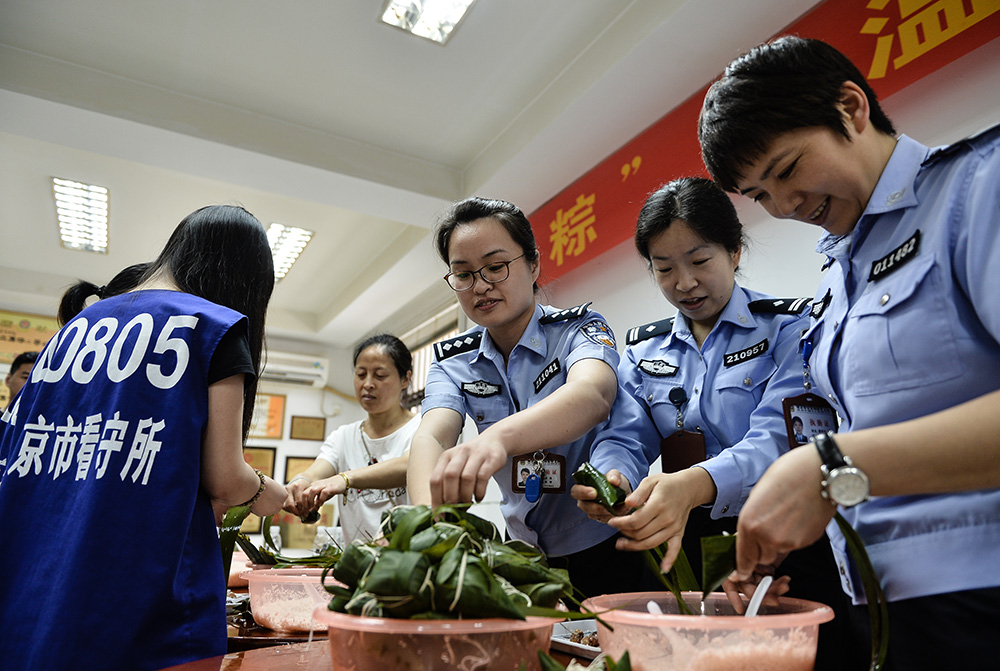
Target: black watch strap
{"x": 828, "y": 451}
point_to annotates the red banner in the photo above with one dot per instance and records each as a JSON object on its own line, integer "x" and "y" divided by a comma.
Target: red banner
{"x": 893, "y": 42}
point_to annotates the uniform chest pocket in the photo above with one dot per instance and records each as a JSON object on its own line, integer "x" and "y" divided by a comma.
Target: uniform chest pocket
{"x": 898, "y": 335}
{"x": 747, "y": 377}
{"x": 487, "y": 411}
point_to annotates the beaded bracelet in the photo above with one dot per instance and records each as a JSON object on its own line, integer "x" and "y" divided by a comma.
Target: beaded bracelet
{"x": 260, "y": 491}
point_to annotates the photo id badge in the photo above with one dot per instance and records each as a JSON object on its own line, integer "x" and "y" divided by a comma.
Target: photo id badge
{"x": 549, "y": 471}
{"x": 682, "y": 450}
{"x": 805, "y": 416}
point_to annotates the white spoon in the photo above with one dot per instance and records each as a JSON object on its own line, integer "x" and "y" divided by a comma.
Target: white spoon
{"x": 758, "y": 596}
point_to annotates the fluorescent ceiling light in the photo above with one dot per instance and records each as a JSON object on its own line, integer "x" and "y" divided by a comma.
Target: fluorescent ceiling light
{"x": 434, "y": 20}
{"x": 287, "y": 242}
{"x": 82, "y": 212}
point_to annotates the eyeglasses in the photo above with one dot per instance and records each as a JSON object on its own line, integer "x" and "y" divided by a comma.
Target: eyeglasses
{"x": 492, "y": 273}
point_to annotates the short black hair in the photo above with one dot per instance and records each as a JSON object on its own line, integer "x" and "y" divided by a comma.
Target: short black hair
{"x": 22, "y": 359}
{"x": 783, "y": 85}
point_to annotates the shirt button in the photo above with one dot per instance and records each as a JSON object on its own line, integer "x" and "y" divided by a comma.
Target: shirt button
{"x": 843, "y": 571}
{"x": 836, "y": 325}
{"x": 479, "y": 418}
{"x": 884, "y": 299}
{"x": 725, "y": 509}
{"x": 535, "y": 342}
{"x": 893, "y": 197}
{"x": 831, "y": 397}
{"x": 650, "y": 398}
{"x": 747, "y": 382}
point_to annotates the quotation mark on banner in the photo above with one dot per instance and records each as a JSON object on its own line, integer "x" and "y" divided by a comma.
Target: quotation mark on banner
{"x": 631, "y": 168}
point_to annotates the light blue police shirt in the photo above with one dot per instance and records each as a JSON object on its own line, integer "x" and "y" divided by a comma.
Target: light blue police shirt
{"x": 734, "y": 385}
{"x": 906, "y": 323}
{"x": 470, "y": 377}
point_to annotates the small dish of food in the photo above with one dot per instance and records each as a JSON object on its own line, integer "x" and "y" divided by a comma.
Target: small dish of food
{"x": 576, "y": 637}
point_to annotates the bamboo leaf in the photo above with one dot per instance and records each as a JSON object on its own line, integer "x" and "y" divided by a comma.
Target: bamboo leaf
{"x": 718, "y": 561}
{"x": 231, "y": 523}
{"x": 878, "y": 608}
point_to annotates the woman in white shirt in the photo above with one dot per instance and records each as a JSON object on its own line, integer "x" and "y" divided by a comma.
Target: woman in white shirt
{"x": 365, "y": 461}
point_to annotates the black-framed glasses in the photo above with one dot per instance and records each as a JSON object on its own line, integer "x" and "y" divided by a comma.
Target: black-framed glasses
{"x": 492, "y": 273}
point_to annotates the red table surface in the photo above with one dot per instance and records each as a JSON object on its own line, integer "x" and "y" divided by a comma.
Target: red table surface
{"x": 314, "y": 656}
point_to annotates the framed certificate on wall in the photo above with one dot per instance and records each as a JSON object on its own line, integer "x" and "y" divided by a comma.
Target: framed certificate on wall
{"x": 307, "y": 428}
{"x": 268, "y": 416}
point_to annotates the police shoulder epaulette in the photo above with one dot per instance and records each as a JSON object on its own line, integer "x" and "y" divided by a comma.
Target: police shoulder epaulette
{"x": 963, "y": 144}
{"x": 779, "y": 306}
{"x": 640, "y": 333}
{"x": 578, "y": 311}
{"x": 457, "y": 345}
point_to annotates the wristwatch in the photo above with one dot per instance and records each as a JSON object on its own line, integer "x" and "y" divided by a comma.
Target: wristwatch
{"x": 843, "y": 483}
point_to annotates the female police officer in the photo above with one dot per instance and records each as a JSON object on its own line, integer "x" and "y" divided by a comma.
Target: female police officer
{"x": 712, "y": 381}
{"x": 539, "y": 383}
{"x": 904, "y": 341}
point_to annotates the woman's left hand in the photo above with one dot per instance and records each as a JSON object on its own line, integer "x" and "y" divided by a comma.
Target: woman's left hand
{"x": 785, "y": 511}
{"x": 585, "y": 496}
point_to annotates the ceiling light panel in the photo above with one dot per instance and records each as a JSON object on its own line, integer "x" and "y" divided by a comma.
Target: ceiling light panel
{"x": 434, "y": 20}
{"x": 82, "y": 213}
{"x": 287, "y": 242}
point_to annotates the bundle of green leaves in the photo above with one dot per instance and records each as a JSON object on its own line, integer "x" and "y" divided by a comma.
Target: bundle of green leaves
{"x": 445, "y": 563}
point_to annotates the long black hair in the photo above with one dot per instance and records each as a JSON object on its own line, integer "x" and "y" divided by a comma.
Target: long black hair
{"x": 220, "y": 253}
{"x": 75, "y": 299}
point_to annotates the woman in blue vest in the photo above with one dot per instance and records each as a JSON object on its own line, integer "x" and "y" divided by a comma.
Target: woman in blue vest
{"x": 539, "y": 383}
{"x": 712, "y": 381}
{"x": 127, "y": 435}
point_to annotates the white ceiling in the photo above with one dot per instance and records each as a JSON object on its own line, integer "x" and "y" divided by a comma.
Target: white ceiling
{"x": 313, "y": 114}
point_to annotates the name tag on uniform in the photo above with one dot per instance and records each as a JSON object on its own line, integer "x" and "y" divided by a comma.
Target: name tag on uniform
{"x": 752, "y": 352}
{"x": 547, "y": 375}
{"x": 895, "y": 259}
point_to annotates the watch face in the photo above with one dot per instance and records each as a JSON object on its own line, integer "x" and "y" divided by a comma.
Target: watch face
{"x": 848, "y": 486}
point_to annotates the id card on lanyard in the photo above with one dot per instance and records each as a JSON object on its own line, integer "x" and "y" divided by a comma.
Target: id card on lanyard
{"x": 538, "y": 473}
{"x": 807, "y": 414}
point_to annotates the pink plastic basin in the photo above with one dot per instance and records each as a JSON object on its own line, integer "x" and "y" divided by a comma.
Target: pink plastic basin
{"x": 379, "y": 644}
{"x": 781, "y": 638}
{"x": 283, "y": 599}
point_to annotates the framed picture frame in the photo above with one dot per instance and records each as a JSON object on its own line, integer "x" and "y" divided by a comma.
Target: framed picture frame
{"x": 268, "y": 416}
{"x": 262, "y": 458}
{"x": 297, "y": 466}
{"x": 307, "y": 428}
